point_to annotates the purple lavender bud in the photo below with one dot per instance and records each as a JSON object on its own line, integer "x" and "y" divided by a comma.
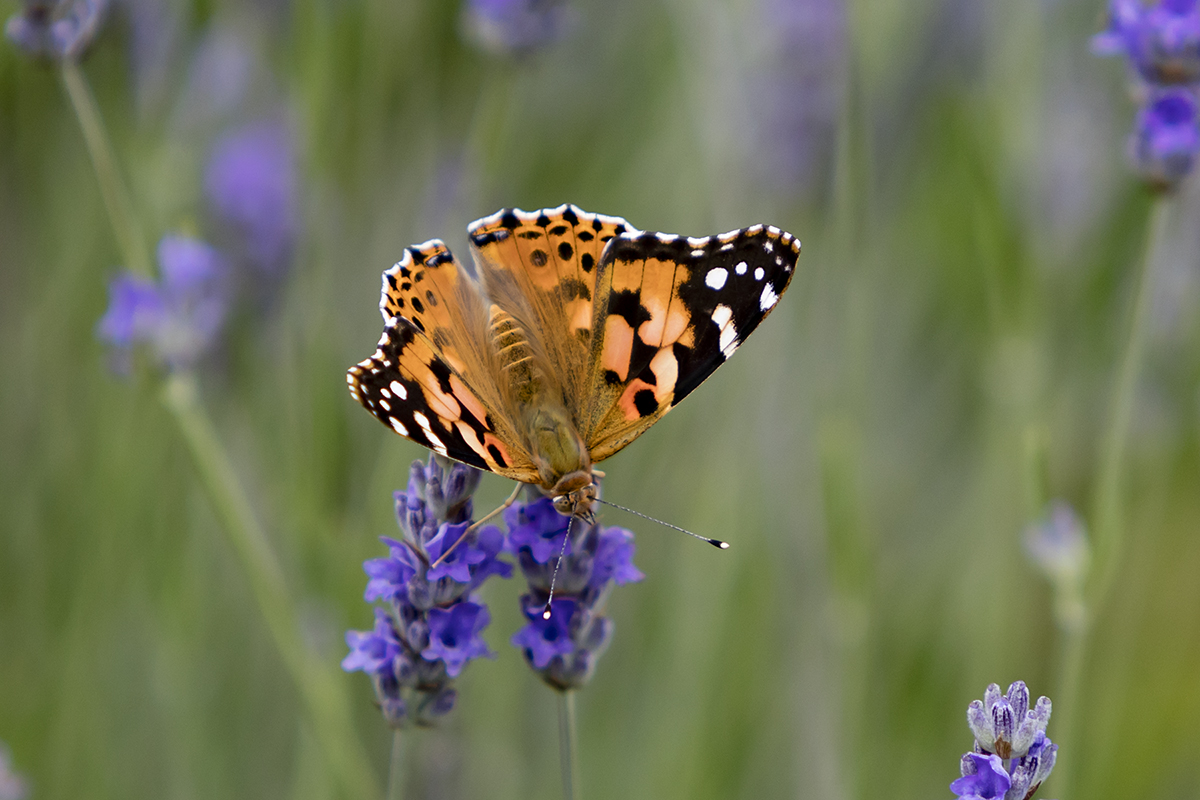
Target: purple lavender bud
{"x": 454, "y": 635}
{"x": 614, "y": 559}
{"x": 1161, "y": 39}
{"x": 251, "y": 183}
{"x": 516, "y": 27}
{"x": 1034, "y": 724}
{"x": 979, "y": 720}
{"x": 1018, "y": 698}
{"x": 988, "y": 781}
{"x": 55, "y": 31}
{"x": 12, "y": 785}
{"x": 1004, "y": 723}
{"x": 1166, "y": 138}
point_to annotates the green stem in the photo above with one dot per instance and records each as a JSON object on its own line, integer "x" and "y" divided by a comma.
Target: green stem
{"x": 568, "y": 751}
{"x": 1075, "y": 611}
{"x": 395, "y": 787}
{"x": 116, "y": 199}
{"x": 319, "y": 688}
{"x": 1107, "y": 528}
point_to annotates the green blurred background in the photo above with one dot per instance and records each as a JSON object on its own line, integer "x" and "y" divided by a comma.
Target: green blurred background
{"x": 940, "y": 369}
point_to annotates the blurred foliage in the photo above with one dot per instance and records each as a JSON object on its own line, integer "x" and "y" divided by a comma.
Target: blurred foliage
{"x": 940, "y": 369}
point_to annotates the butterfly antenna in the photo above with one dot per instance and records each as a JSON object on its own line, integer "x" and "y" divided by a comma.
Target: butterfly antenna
{"x": 474, "y": 526}
{"x": 714, "y": 542}
{"x": 554, "y": 575}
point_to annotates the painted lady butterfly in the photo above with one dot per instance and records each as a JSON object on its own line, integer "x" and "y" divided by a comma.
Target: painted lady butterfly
{"x": 584, "y": 333}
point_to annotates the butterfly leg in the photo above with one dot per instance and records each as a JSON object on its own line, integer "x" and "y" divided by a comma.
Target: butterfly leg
{"x": 512, "y": 498}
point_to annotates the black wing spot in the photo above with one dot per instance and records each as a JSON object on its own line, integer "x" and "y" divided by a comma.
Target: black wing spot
{"x": 597, "y": 224}
{"x": 645, "y": 403}
{"x": 442, "y": 373}
{"x": 542, "y": 221}
{"x": 585, "y": 236}
{"x": 628, "y": 304}
{"x": 404, "y": 272}
{"x": 420, "y": 325}
{"x": 559, "y": 230}
{"x": 430, "y": 297}
{"x": 417, "y": 256}
{"x": 439, "y": 258}
{"x": 539, "y": 258}
{"x": 509, "y": 220}
{"x": 497, "y": 455}
{"x": 564, "y": 251}
{"x": 420, "y": 276}
{"x": 391, "y": 279}
{"x": 418, "y": 306}
{"x": 530, "y": 234}
{"x": 570, "y": 216}
{"x": 611, "y": 378}
{"x": 404, "y": 287}
{"x": 399, "y": 302}
{"x": 587, "y": 262}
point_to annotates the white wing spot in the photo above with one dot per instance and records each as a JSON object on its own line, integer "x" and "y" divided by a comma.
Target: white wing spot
{"x": 723, "y": 317}
{"x": 386, "y": 405}
{"x": 758, "y": 273}
{"x": 422, "y": 420}
{"x": 725, "y": 247}
{"x": 740, "y": 269}
{"x": 697, "y": 253}
{"x": 768, "y": 298}
{"x": 769, "y": 247}
{"x": 398, "y": 388}
{"x": 398, "y": 426}
{"x": 716, "y": 277}
{"x": 385, "y": 393}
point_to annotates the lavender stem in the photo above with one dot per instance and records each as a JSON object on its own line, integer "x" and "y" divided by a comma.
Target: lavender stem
{"x": 568, "y": 744}
{"x": 395, "y": 787}
{"x": 116, "y": 199}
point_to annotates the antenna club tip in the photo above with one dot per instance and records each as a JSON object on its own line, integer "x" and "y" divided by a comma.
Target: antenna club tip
{"x": 546, "y": 613}
{"x": 717, "y": 543}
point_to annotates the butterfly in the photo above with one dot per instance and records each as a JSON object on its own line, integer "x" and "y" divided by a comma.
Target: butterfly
{"x": 580, "y": 333}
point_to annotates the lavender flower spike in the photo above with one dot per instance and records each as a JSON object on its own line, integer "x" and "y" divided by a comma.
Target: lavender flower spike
{"x": 1160, "y": 38}
{"x": 562, "y": 649}
{"x": 432, "y": 624}
{"x": 1166, "y": 137}
{"x": 516, "y": 27}
{"x": 1012, "y": 754}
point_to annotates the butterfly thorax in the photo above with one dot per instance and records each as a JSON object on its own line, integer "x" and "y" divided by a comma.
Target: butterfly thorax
{"x": 555, "y": 445}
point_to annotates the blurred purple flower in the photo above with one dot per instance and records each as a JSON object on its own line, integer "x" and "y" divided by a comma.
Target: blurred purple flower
{"x": 12, "y": 785}
{"x": 54, "y": 30}
{"x": 454, "y": 635}
{"x": 251, "y": 184}
{"x": 516, "y": 27}
{"x": 1058, "y": 544}
{"x": 179, "y": 315}
{"x": 1161, "y": 39}
{"x": 1166, "y": 137}
{"x": 563, "y": 648}
{"x": 800, "y": 87}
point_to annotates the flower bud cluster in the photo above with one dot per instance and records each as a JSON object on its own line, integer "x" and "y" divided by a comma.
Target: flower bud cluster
{"x": 431, "y": 621}
{"x": 563, "y": 647}
{"x": 1012, "y": 754}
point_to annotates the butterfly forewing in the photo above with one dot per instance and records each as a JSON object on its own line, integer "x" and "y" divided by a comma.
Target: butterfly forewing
{"x": 432, "y": 379}
{"x": 540, "y": 266}
{"x": 668, "y": 311}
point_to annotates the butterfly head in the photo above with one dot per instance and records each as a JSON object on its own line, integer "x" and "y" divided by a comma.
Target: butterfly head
{"x": 575, "y": 495}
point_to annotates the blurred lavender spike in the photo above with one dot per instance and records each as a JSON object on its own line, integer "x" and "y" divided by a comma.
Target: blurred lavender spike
{"x": 516, "y": 27}
{"x": 47, "y": 30}
{"x": 12, "y": 785}
{"x": 180, "y": 315}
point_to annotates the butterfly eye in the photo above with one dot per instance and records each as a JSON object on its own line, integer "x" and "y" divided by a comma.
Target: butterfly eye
{"x": 564, "y": 504}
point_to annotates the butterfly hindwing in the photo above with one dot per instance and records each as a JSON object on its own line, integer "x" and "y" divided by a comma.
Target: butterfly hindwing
{"x": 668, "y": 311}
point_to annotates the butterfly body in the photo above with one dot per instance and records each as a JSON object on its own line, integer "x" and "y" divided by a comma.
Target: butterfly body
{"x": 580, "y": 333}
